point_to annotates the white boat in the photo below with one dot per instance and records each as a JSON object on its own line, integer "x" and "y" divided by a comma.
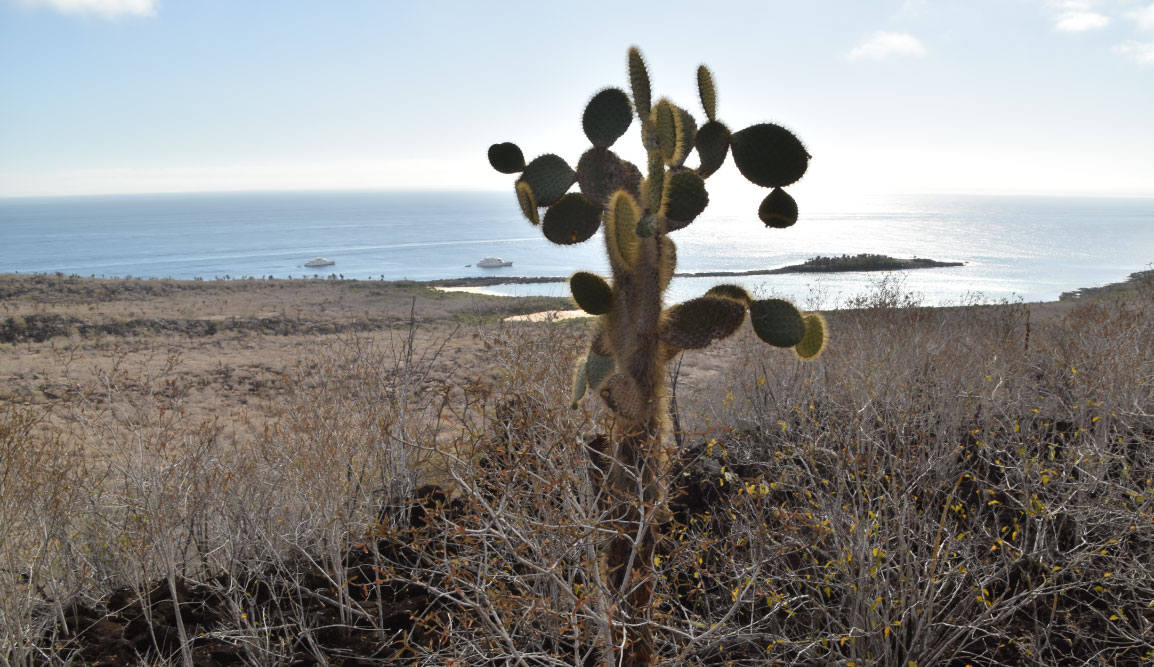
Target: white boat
{"x": 320, "y": 261}
{"x": 493, "y": 262}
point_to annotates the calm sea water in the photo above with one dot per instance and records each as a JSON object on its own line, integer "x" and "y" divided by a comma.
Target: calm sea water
{"x": 1014, "y": 247}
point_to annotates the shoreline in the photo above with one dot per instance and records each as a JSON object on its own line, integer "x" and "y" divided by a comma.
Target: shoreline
{"x": 844, "y": 264}
{"x": 1132, "y": 283}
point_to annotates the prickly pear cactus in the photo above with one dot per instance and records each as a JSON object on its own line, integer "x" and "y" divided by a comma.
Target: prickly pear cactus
{"x": 637, "y": 215}
{"x": 636, "y": 334}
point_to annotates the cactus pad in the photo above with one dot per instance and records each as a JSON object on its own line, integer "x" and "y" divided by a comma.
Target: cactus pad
{"x": 549, "y": 177}
{"x": 506, "y": 158}
{"x": 814, "y": 340}
{"x": 712, "y": 143}
{"x": 573, "y": 219}
{"x": 527, "y": 202}
{"x": 598, "y": 368}
{"x": 592, "y": 294}
{"x": 735, "y": 292}
{"x": 685, "y": 199}
{"x": 664, "y": 127}
{"x": 620, "y": 229}
{"x": 777, "y": 322}
{"x": 600, "y": 173}
{"x": 624, "y": 397}
{"x": 707, "y": 92}
{"x": 697, "y": 323}
{"x": 687, "y": 133}
{"x": 580, "y": 384}
{"x": 778, "y": 209}
{"x": 769, "y": 155}
{"x": 647, "y": 226}
{"x": 666, "y": 120}
{"x": 639, "y": 82}
{"x": 653, "y": 187}
{"x": 606, "y": 117}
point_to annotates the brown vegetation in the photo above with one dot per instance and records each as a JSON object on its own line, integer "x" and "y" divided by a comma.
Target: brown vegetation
{"x": 944, "y": 486}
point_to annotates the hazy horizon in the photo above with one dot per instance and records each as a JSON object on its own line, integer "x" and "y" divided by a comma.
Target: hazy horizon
{"x": 1037, "y": 97}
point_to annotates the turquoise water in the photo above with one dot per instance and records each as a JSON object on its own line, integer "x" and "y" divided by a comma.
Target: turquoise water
{"x": 1032, "y": 248}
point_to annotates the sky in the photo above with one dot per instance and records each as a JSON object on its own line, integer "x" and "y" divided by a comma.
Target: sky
{"x": 1051, "y": 97}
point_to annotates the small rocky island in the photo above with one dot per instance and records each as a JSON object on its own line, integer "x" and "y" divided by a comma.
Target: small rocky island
{"x": 819, "y": 264}
{"x": 862, "y": 262}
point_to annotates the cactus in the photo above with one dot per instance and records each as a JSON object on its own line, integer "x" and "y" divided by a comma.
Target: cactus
{"x": 636, "y": 334}
{"x": 778, "y": 209}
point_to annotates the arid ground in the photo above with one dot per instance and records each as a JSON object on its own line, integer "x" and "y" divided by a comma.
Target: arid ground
{"x": 342, "y": 472}
{"x": 224, "y": 343}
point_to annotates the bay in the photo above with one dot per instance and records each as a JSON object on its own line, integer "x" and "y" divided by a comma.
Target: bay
{"x": 1029, "y": 248}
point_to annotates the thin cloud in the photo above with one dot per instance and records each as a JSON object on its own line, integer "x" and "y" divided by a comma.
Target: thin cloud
{"x": 1139, "y": 52}
{"x": 1081, "y": 21}
{"x": 1144, "y": 17}
{"x": 882, "y": 45}
{"x": 107, "y": 8}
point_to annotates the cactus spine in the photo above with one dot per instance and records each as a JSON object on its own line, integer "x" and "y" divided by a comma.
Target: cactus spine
{"x": 636, "y": 334}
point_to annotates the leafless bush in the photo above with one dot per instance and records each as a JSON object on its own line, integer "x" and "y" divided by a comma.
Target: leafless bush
{"x": 142, "y": 494}
{"x": 957, "y": 495}
{"x": 41, "y": 484}
{"x": 966, "y": 485}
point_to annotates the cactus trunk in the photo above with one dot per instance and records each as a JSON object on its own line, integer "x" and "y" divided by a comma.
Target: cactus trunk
{"x": 634, "y": 485}
{"x": 635, "y": 478}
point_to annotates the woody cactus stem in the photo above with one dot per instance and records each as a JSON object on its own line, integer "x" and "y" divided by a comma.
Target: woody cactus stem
{"x": 636, "y": 335}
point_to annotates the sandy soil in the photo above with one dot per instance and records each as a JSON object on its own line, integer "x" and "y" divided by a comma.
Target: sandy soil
{"x": 220, "y": 345}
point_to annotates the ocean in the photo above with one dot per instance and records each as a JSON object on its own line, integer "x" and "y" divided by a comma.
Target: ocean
{"x": 1029, "y": 248}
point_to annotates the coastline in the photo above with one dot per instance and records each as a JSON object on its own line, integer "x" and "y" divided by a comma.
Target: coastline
{"x": 1132, "y": 283}
{"x": 844, "y": 264}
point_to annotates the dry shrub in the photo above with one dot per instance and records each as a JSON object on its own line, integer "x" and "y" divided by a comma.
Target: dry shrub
{"x": 945, "y": 486}
{"x": 123, "y": 490}
{"x": 954, "y": 486}
{"x": 42, "y": 481}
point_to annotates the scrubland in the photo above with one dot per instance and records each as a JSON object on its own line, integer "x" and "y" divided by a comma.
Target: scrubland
{"x": 971, "y": 485}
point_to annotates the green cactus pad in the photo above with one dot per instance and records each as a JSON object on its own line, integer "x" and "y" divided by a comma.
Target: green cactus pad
{"x": 573, "y": 219}
{"x": 623, "y": 396}
{"x": 778, "y": 209}
{"x": 647, "y": 226}
{"x": 777, "y": 322}
{"x": 506, "y": 158}
{"x": 769, "y": 155}
{"x": 712, "y": 143}
{"x": 687, "y": 133}
{"x": 549, "y": 177}
{"x": 698, "y": 322}
{"x": 639, "y": 82}
{"x": 580, "y": 384}
{"x": 592, "y": 294}
{"x": 527, "y": 202}
{"x": 606, "y": 117}
{"x": 685, "y": 199}
{"x": 814, "y": 340}
{"x": 598, "y": 369}
{"x": 653, "y": 188}
{"x": 600, "y": 173}
{"x": 666, "y": 119}
{"x": 707, "y": 92}
{"x": 620, "y": 229}
{"x": 735, "y": 292}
